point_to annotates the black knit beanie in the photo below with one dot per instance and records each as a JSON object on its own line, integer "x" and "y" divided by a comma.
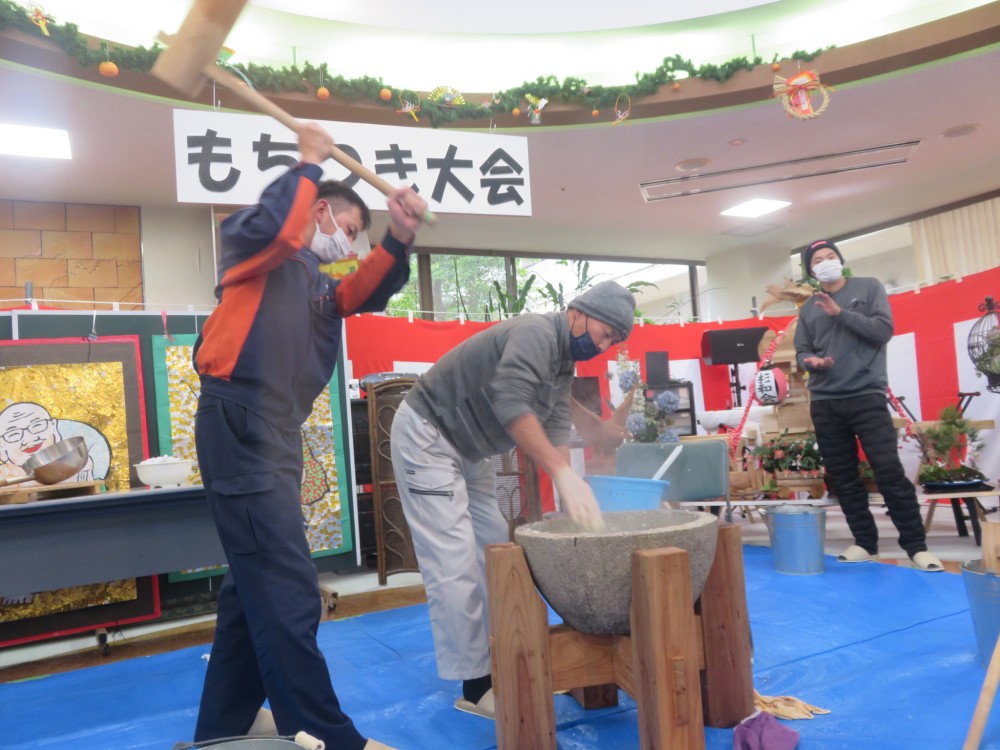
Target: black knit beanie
{"x": 807, "y": 254}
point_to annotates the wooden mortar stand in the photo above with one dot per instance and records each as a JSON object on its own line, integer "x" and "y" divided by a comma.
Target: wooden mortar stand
{"x": 987, "y": 694}
{"x": 658, "y": 664}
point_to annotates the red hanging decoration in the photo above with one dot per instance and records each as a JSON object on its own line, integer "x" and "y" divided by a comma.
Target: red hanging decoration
{"x": 39, "y": 18}
{"x": 797, "y": 92}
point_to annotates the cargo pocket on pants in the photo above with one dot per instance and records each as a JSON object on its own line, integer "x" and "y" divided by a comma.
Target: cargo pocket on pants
{"x": 238, "y": 497}
{"x": 432, "y": 489}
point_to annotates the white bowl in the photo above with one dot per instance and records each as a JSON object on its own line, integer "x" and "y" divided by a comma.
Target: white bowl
{"x": 164, "y": 474}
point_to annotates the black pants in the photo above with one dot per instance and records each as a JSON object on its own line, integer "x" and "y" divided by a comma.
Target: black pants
{"x": 839, "y": 424}
{"x": 269, "y": 605}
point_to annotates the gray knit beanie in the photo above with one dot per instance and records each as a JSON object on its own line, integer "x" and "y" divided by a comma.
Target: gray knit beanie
{"x": 610, "y": 303}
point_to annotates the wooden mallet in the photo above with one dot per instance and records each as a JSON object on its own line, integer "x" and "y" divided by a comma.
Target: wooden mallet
{"x": 189, "y": 61}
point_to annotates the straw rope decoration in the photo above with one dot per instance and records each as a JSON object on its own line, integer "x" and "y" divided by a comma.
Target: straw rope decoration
{"x": 796, "y": 94}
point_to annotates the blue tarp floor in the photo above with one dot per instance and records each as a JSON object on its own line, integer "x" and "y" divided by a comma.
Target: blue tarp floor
{"x": 890, "y": 651}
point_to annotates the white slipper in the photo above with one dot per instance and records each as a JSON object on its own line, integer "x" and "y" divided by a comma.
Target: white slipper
{"x": 926, "y": 561}
{"x": 485, "y": 708}
{"x": 855, "y": 554}
{"x": 376, "y": 745}
{"x": 263, "y": 725}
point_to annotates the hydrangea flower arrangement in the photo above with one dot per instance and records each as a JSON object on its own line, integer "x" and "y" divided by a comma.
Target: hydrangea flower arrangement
{"x": 650, "y": 420}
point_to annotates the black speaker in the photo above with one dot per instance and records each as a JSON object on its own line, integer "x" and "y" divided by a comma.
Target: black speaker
{"x": 731, "y": 346}
{"x": 657, "y": 369}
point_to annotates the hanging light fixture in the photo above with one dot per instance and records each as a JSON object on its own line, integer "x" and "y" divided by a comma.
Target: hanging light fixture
{"x": 984, "y": 344}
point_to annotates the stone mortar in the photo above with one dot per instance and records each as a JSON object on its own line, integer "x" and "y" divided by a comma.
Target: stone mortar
{"x": 587, "y": 576}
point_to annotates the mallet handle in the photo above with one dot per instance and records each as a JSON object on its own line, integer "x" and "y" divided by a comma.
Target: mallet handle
{"x": 262, "y": 104}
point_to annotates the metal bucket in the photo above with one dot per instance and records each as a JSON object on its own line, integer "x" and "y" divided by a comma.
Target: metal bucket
{"x": 983, "y": 590}
{"x": 797, "y": 534}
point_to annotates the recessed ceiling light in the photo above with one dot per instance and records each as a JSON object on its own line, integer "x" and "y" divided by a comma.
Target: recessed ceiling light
{"x": 692, "y": 165}
{"x": 959, "y": 130}
{"x": 754, "y": 208}
{"x": 26, "y": 140}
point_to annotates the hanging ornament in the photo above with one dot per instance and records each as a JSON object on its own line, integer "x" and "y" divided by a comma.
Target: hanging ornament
{"x": 322, "y": 92}
{"x": 107, "y": 68}
{"x": 676, "y": 86}
{"x": 39, "y": 18}
{"x": 225, "y": 55}
{"x": 537, "y": 105}
{"x": 622, "y": 108}
{"x": 595, "y": 113}
{"x": 385, "y": 95}
{"x": 447, "y": 96}
{"x": 408, "y": 106}
{"x": 797, "y": 92}
{"x": 516, "y": 111}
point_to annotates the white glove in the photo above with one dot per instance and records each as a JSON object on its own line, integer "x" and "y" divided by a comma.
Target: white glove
{"x": 578, "y": 500}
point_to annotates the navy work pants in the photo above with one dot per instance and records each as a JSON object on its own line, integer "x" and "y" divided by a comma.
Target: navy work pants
{"x": 269, "y": 604}
{"x": 839, "y": 424}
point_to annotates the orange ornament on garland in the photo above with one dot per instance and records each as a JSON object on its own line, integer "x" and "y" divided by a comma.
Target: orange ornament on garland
{"x": 595, "y": 112}
{"x": 108, "y": 68}
{"x": 516, "y": 111}
{"x": 385, "y": 95}
{"x": 323, "y": 93}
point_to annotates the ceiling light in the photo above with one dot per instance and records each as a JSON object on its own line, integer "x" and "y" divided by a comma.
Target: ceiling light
{"x": 26, "y": 140}
{"x": 754, "y": 208}
{"x": 841, "y": 162}
{"x": 960, "y": 130}
{"x": 692, "y": 165}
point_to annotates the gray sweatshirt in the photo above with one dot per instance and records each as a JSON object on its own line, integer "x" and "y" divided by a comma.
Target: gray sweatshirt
{"x": 856, "y": 339}
{"x": 478, "y": 388}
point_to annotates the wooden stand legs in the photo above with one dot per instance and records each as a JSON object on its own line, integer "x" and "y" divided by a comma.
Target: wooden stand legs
{"x": 658, "y": 664}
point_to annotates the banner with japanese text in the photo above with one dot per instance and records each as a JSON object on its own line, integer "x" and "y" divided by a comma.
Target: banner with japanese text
{"x": 226, "y": 158}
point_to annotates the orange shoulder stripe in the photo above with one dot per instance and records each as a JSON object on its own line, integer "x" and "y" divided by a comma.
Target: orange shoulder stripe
{"x": 226, "y": 330}
{"x": 354, "y": 289}
{"x": 287, "y": 242}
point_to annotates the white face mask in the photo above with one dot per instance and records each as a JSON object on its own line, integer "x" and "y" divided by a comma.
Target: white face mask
{"x": 330, "y": 247}
{"x": 828, "y": 271}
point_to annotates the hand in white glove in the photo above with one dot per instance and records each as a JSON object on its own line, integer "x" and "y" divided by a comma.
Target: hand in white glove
{"x": 578, "y": 500}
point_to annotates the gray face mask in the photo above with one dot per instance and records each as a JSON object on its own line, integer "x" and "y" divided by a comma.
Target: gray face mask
{"x": 330, "y": 247}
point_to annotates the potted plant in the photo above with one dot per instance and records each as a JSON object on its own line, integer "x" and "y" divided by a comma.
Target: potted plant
{"x": 794, "y": 462}
{"x": 948, "y": 451}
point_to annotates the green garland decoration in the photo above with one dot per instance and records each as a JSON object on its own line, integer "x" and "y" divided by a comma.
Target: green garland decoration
{"x": 366, "y": 89}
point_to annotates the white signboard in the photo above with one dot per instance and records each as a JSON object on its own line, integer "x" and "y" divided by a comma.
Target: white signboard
{"x": 226, "y": 158}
